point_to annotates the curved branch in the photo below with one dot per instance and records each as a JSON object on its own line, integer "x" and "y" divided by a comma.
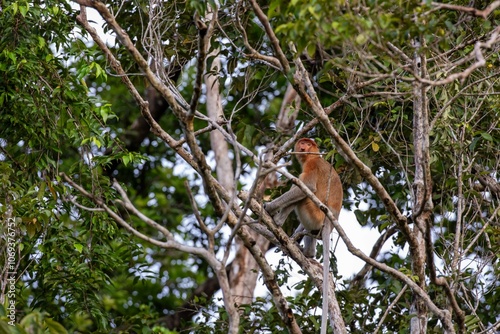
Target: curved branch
{"x": 170, "y": 243}
{"x": 285, "y": 67}
{"x": 254, "y": 54}
{"x": 136, "y": 55}
{"x": 480, "y": 62}
{"x": 360, "y": 276}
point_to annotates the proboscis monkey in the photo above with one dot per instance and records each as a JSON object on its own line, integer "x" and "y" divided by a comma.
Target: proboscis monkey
{"x": 322, "y": 179}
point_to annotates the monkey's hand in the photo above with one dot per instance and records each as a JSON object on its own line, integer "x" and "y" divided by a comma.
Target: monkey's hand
{"x": 271, "y": 207}
{"x": 310, "y": 253}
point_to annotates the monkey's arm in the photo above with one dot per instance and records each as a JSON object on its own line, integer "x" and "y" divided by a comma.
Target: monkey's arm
{"x": 289, "y": 198}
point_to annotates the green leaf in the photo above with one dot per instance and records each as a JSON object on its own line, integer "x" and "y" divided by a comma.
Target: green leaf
{"x": 78, "y": 247}
{"x": 361, "y": 216}
{"x": 31, "y": 229}
{"x": 361, "y": 39}
{"x": 15, "y": 8}
{"x": 41, "y": 42}
{"x": 24, "y": 9}
{"x": 126, "y": 159}
{"x": 54, "y": 327}
{"x": 487, "y": 136}
{"x": 99, "y": 72}
{"x": 96, "y": 142}
{"x": 311, "y": 49}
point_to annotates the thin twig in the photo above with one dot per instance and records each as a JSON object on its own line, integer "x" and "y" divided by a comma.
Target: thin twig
{"x": 203, "y": 39}
{"x": 285, "y": 67}
{"x": 389, "y": 308}
{"x": 210, "y": 234}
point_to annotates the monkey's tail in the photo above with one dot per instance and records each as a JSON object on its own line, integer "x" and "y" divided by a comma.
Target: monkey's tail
{"x": 327, "y": 231}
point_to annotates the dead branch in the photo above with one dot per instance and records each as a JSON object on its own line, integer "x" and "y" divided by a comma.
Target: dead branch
{"x": 389, "y": 308}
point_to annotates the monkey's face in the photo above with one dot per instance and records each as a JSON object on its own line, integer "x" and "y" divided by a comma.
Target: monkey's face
{"x": 306, "y": 145}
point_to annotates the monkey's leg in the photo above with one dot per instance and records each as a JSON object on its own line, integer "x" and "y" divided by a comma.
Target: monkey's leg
{"x": 299, "y": 232}
{"x": 309, "y": 246}
{"x": 282, "y": 215}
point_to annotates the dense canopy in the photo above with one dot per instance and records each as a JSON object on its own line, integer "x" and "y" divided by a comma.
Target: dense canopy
{"x": 139, "y": 139}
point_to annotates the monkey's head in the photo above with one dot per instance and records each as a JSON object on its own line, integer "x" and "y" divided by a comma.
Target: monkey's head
{"x": 305, "y": 145}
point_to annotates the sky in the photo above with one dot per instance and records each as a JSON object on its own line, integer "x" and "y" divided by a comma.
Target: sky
{"x": 347, "y": 264}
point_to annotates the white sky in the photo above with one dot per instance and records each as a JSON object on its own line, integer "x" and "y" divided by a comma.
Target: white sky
{"x": 347, "y": 264}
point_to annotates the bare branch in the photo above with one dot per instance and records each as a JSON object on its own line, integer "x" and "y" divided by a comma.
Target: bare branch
{"x": 469, "y": 10}
{"x": 377, "y": 247}
{"x": 481, "y": 231}
{"x": 480, "y": 62}
{"x": 129, "y": 45}
{"x": 254, "y": 54}
{"x": 219, "y": 270}
{"x": 203, "y": 39}
{"x": 289, "y": 110}
{"x": 210, "y": 234}
{"x": 285, "y": 67}
{"x": 83, "y": 207}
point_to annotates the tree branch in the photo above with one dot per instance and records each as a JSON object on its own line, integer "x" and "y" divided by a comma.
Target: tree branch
{"x": 285, "y": 67}
{"x": 361, "y": 275}
{"x": 469, "y": 10}
{"x": 389, "y": 308}
{"x": 200, "y": 60}
{"x": 480, "y": 62}
{"x": 141, "y": 62}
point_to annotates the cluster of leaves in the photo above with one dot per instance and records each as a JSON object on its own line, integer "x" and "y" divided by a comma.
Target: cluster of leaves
{"x": 50, "y": 125}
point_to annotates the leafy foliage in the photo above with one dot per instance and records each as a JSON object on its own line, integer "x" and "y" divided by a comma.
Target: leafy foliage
{"x": 64, "y": 112}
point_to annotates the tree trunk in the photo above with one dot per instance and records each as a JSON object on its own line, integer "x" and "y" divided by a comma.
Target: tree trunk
{"x": 422, "y": 189}
{"x": 244, "y": 273}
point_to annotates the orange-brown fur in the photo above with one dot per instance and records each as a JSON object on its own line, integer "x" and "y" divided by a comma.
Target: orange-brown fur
{"x": 317, "y": 174}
